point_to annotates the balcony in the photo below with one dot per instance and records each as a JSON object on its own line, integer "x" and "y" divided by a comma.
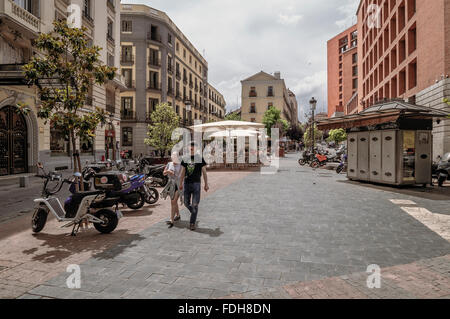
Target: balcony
{"x": 111, "y": 5}
{"x": 178, "y": 75}
{"x": 152, "y": 36}
{"x": 253, "y": 94}
{"x": 178, "y": 96}
{"x": 87, "y": 16}
{"x": 110, "y": 108}
{"x": 154, "y": 62}
{"x": 191, "y": 84}
{"x": 153, "y": 86}
{"x": 127, "y": 115}
{"x": 148, "y": 117}
{"x": 130, "y": 84}
{"x": 127, "y": 59}
{"x": 16, "y": 13}
{"x": 169, "y": 69}
{"x": 12, "y": 74}
{"x": 185, "y": 80}
{"x": 110, "y": 38}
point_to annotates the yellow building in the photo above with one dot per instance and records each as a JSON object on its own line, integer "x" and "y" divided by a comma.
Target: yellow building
{"x": 160, "y": 65}
{"x": 25, "y": 139}
{"x": 261, "y": 91}
{"x": 216, "y": 105}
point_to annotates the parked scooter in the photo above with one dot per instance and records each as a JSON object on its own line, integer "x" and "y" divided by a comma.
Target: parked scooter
{"x": 443, "y": 170}
{"x": 79, "y": 208}
{"x": 343, "y": 165}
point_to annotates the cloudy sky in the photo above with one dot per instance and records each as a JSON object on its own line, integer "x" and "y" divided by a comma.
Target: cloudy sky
{"x": 242, "y": 37}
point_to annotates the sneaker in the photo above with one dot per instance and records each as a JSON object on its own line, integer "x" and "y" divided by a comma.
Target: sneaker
{"x": 192, "y": 227}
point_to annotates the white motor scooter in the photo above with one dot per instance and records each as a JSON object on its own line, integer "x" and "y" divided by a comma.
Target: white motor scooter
{"x": 79, "y": 208}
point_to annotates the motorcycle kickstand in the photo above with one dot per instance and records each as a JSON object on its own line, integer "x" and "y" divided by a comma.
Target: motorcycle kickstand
{"x": 74, "y": 233}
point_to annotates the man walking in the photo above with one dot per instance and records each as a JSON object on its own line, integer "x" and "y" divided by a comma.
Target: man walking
{"x": 190, "y": 182}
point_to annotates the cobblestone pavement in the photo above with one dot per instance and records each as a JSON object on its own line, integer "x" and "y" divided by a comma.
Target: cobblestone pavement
{"x": 27, "y": 260}
{"x": 279, "y": 236}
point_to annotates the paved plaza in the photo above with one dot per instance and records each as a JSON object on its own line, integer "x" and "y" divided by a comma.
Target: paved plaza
{"x": 300, "y": 233}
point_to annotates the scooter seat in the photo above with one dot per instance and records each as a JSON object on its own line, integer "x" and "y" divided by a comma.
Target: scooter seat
{"x": 81, "y": 195}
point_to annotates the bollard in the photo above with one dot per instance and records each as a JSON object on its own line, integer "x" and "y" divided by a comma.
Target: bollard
{"x": 24, "y": 181}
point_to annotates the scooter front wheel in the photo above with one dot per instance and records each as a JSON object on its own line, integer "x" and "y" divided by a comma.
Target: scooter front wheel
{"x": 153, "y": 196}
{"x": 39, "y": 219}
{"x": 110, "y": 221}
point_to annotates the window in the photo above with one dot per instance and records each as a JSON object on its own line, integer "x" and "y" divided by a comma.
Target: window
{"x": 355, "y": 58}
{"x": 169, "y": 38}
{"x": 127, "y": 54}
{"x": 253, "y": 108}
{"x": 59, "y": 141}
{"x": 110, "y": 30}
{"x": 252, "y": 92}
{"x": 87, "y": 9}
{"x": 270, "y": 91}
{"x": 152, "y": 103}
{"x": 86, "y": 145}
{"x": 127, "y": 26}
{"x": 127, "y": 105}
{"x": 178, "y": 47}
{"x": 128, "y": 76}
{"x": 127, "y": 136}
{"x": 355, "y": 84}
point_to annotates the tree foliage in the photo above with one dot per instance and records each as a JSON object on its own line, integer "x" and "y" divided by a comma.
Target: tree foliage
{"x": 63, "y": 72}
{"x": 307, "y": 138}
{"x": 337, "y": 136}
{"x": 233, "y": 117}
{"x": 164, "y": 121}
{"x": 272, "y": 119}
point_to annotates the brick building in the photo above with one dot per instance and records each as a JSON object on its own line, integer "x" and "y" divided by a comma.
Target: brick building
{"x": 342, "y": 72}
{"x": 404, "y": 52}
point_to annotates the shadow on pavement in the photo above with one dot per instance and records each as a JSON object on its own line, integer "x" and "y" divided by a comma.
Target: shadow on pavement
{"x": 56, "y": 248}
{"x": 431, "y": 193}
{"x": 210, "y": 232}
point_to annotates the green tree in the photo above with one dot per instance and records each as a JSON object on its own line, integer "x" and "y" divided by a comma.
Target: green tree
{"x": 63, "y": 72}
{"x": 164, "y": 121}
{"x": 337, "y": 136}
{"x": 307, "y": 138}
{"x": 272, "y": 119}
{"x": 233, "y": 117}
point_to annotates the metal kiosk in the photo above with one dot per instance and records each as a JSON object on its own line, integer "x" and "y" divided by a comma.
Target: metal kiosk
{"x": 389, "y": 143}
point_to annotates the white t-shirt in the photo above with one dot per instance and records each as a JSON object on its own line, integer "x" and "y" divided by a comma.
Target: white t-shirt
{"x": 176, "y": 169}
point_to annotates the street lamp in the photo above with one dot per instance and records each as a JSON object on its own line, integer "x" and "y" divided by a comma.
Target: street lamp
{"x": 313, "y": 104}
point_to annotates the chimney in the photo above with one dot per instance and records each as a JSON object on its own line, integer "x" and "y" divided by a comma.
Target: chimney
{"x": 277, "y": 75}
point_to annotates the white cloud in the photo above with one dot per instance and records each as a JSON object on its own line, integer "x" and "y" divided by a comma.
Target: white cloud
{"x": 289, "y": 20}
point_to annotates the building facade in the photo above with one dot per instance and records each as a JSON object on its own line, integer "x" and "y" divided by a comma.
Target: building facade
{"x": 342, "y": 72}
{"x": 404, "y": 52}
{"x": 216, "y": 105}
{"x": 159, "y": 65}
{"x": 26, "y": 140}
{"x": 263, "y": 90}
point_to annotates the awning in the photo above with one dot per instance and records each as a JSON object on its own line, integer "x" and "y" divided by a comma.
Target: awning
{"x": 385, "y": 112}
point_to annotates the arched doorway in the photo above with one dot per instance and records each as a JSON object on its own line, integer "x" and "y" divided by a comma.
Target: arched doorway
{"x": 13, "y": 142}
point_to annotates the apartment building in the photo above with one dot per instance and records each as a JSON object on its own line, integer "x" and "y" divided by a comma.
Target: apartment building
{"x": 160, "y": 65}
{"x": 342, "y": 72}
{"x": 26, "y": 140}
{"x": 216, "y": 105}
{"x": 263, "y": 90}
{"x": 404, "y": 52}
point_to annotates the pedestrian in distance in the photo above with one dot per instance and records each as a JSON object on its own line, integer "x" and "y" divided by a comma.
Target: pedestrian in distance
{"x": 173, "y": 172}
{"x": 193, "y": 168}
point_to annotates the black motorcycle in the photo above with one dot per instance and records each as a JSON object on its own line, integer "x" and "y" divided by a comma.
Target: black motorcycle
{"x": 156, "y": 172}
{"x": 443, "y": 170}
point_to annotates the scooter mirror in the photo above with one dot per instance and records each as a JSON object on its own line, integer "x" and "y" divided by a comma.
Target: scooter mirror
{"x": 77, "y": 174}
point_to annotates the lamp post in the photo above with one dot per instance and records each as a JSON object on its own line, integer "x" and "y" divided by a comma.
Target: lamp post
{"x": 313, "y": 104}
